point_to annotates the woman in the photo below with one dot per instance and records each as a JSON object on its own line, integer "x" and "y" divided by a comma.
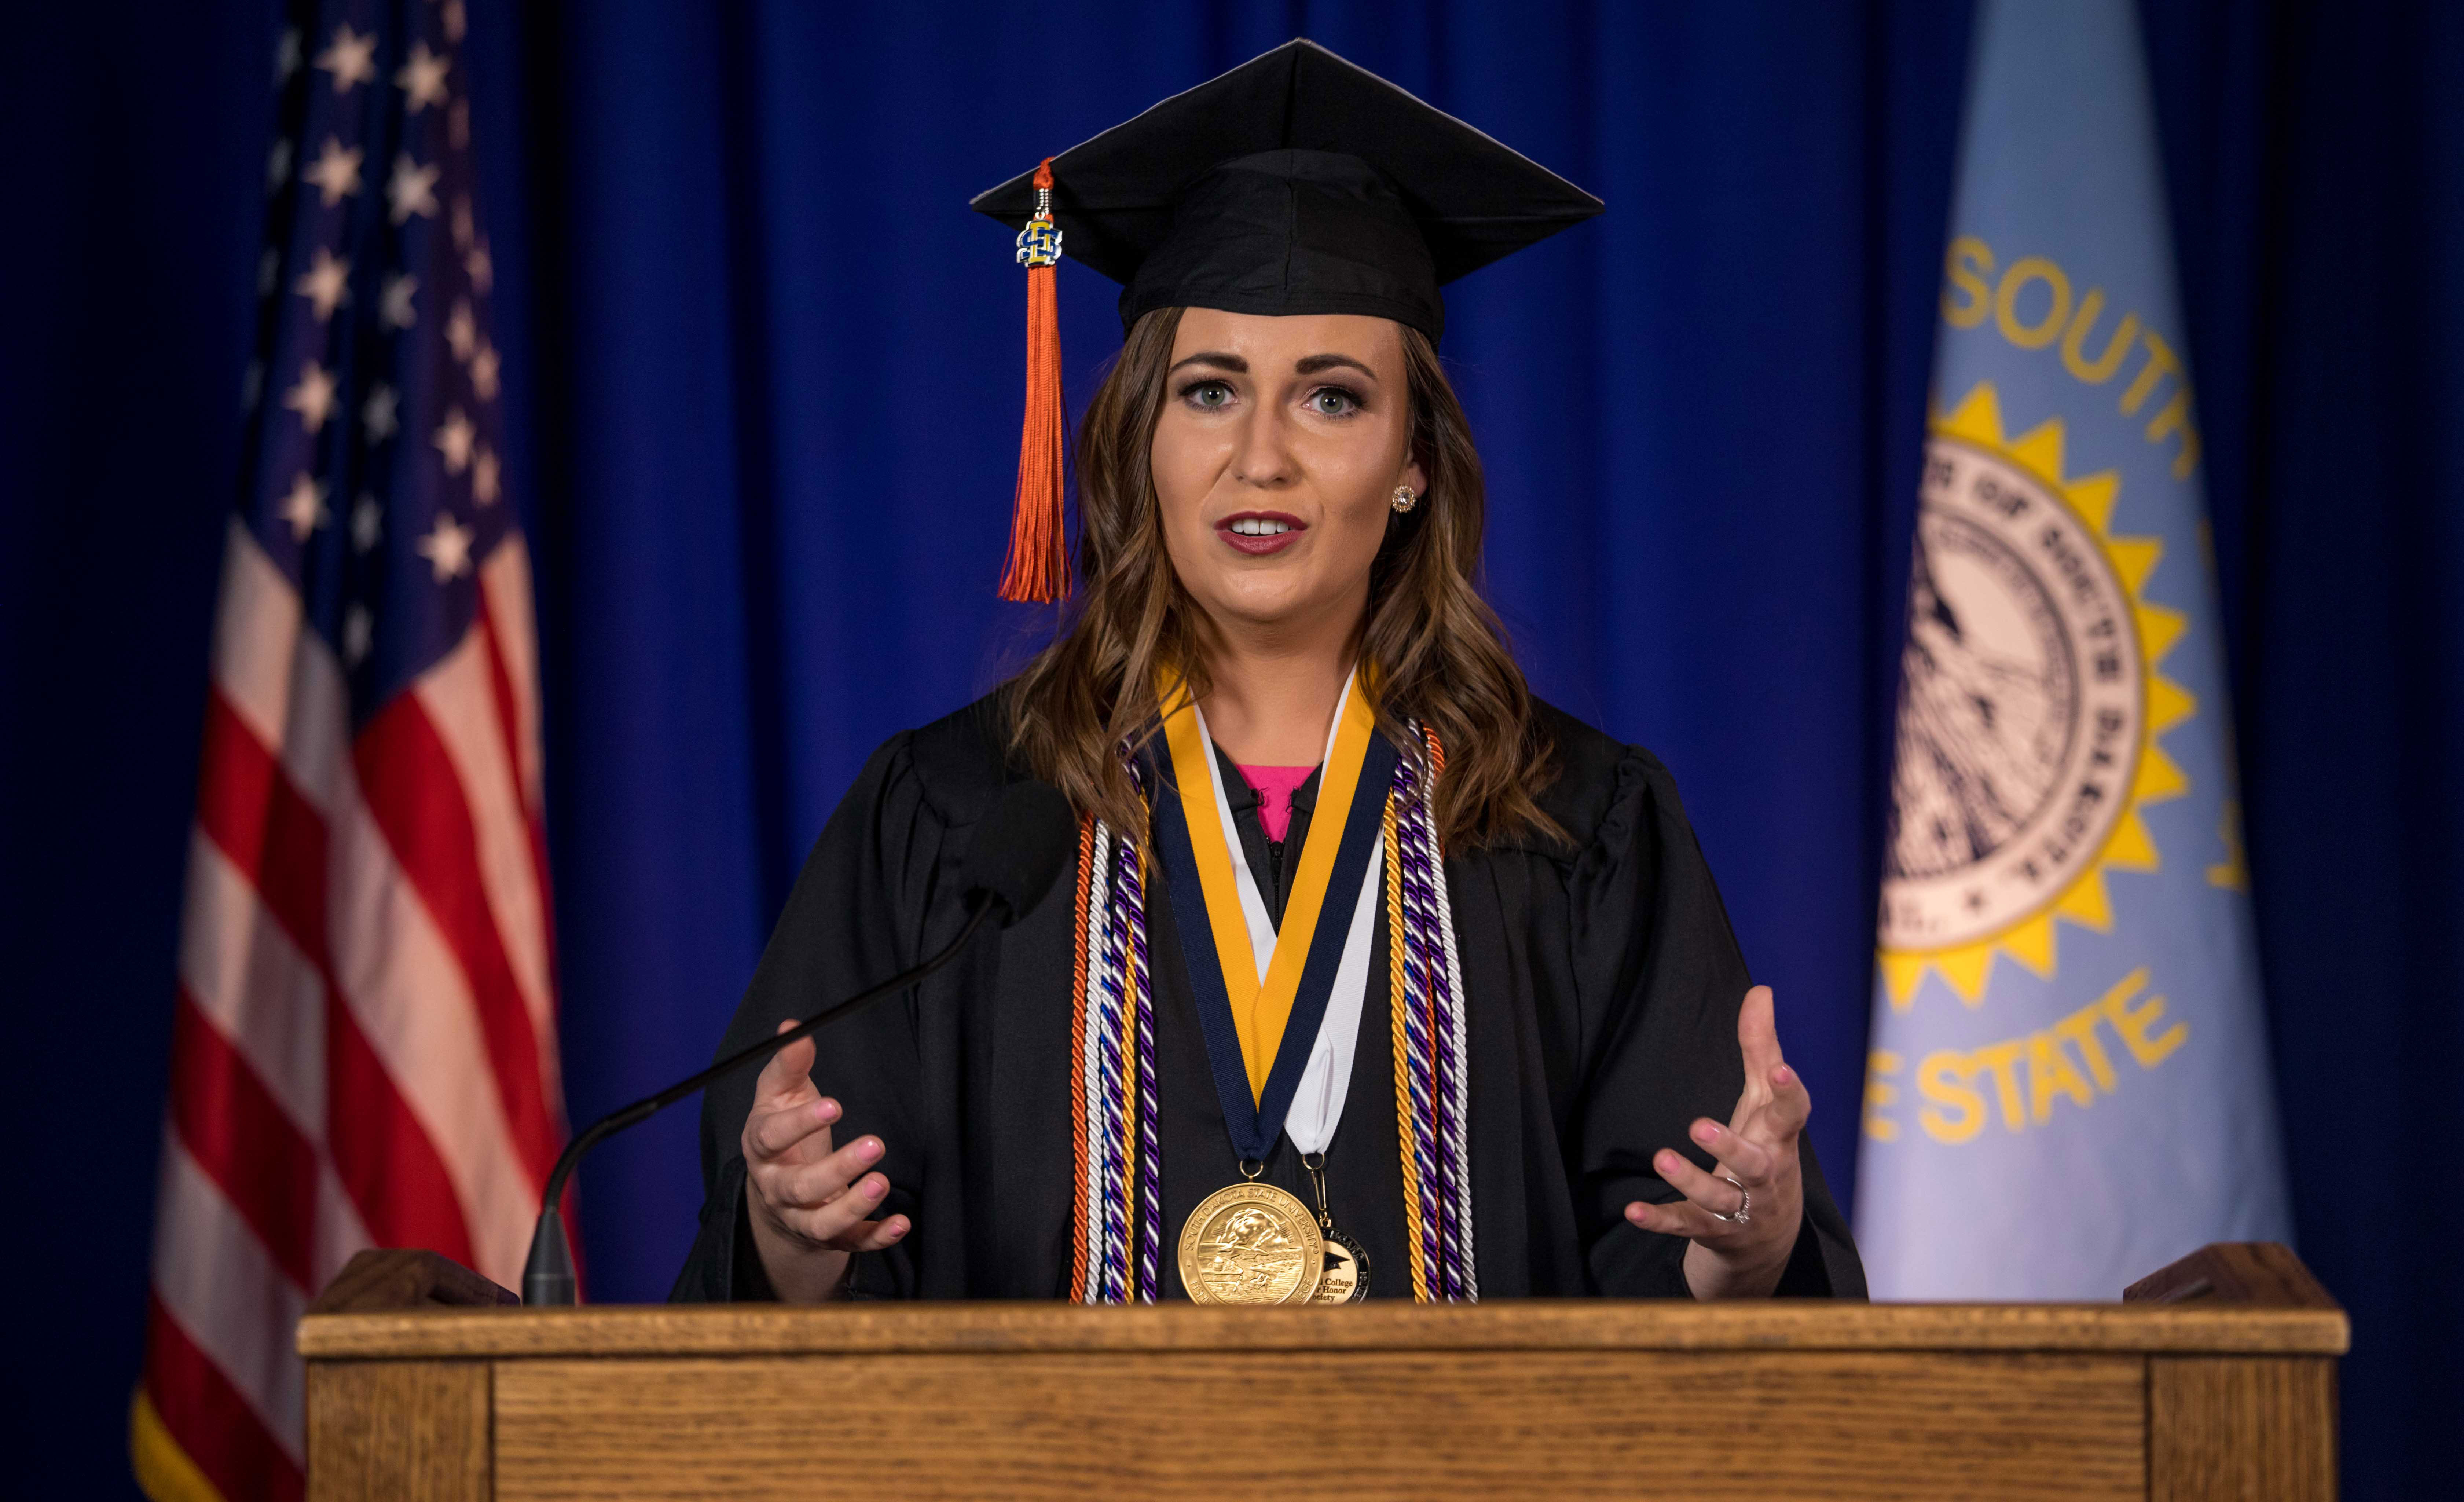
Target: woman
{"x": 1379, "y": 978}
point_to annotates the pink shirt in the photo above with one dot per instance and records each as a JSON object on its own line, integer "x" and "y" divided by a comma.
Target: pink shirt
{"x": 1275, "y": 787}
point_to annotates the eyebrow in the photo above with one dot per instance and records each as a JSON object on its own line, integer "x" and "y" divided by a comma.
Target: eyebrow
{"x": 1317, "y": 363}
{"x": 1219, "y": 361}
{"x": 1309, "y": 365}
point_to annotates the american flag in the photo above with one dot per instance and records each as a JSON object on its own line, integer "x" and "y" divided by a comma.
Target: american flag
{"x": 364, "y": 1043}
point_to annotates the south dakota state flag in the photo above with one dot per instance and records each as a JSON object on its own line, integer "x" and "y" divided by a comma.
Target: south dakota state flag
{"x": 2069, "y": 1083}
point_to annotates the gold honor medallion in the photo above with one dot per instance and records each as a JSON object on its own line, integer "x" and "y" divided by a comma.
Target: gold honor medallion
{"x": 1345, "y": 1278}
{"x": 1251, "y": 1244}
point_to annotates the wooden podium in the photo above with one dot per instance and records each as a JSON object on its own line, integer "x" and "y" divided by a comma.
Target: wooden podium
{"x": 2213, "y": 1378}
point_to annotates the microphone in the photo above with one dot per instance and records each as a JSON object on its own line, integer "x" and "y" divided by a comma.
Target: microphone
{"x": 1015, "y": 857}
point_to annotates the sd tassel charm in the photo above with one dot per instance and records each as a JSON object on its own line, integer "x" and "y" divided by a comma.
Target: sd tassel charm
{"x": 1038, "y": 570}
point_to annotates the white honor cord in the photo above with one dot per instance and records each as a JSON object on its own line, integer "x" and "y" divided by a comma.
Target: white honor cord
{"x": 1317, "y": 1105}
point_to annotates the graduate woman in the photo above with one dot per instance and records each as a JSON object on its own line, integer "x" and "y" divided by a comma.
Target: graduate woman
{"x": 1376, "y": 977}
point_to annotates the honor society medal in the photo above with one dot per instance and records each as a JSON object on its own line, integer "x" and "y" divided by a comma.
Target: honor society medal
{"x": 1345, "y": 1278}
{"x": 1251, "y": 1244}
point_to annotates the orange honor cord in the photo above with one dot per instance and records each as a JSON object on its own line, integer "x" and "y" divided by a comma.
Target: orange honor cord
{"x": 1037, "y": 568}
{"x": 1078, "y": 1062}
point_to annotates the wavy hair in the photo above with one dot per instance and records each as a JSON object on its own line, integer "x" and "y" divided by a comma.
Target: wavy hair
{"x": 1432, "y": 646}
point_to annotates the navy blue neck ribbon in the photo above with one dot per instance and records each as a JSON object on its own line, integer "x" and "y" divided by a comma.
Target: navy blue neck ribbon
{"x": 1255, "y": 1124}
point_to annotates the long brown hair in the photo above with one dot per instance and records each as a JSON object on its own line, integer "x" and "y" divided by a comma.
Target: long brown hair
{"x": 1431, "y": 644}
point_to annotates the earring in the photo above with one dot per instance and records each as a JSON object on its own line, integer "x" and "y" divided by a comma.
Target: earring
{"x": 1404, "y": 500}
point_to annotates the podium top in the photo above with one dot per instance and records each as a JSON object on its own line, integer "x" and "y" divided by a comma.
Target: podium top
{"x": 2228, "y": 1299}
{"x": 1560, "y": 1324}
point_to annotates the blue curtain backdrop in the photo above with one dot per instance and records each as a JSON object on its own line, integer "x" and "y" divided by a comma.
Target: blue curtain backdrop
{"x": 787, "y": 427}
{"x": 770, "y": 372}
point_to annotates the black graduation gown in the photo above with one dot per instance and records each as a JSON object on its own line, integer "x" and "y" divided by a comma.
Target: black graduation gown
{"x": 1603, "y": 981}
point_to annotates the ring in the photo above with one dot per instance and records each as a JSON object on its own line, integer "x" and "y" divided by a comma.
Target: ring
{"x": 1745, "y": 1205}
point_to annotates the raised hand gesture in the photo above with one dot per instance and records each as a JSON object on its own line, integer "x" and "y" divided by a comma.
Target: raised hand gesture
{"x": 1743, "y": 1218}
{"x": 806, "y": 1202}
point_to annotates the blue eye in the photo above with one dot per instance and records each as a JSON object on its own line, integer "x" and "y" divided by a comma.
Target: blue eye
{"x": 1333, "y": 401}
{"x": 1208, "y": 395}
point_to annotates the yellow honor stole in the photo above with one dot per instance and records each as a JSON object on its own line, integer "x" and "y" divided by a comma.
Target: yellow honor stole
{"x": 1262, "y": 1007}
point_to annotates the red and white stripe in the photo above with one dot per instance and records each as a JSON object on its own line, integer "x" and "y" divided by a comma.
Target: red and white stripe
{"x": 365, "y": 1033}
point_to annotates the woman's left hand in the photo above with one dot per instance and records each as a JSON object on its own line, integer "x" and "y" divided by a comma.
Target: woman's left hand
{"x": 1740, "y": 1255}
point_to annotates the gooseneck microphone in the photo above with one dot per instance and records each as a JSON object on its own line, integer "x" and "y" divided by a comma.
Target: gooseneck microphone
{"x": 1016, "y": 855}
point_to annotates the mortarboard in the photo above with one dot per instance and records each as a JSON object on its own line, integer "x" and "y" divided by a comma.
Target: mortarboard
{"x": 1296, "y": 183}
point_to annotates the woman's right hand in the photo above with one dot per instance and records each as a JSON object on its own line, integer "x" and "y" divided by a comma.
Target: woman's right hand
{"x": 808, "y": 1202}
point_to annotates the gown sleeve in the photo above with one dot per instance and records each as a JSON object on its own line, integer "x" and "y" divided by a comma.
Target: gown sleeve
{"x": 855, "y": 914}
{"x": 1661, "y": 980}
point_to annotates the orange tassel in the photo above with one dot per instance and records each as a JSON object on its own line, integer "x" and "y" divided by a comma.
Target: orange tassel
{"x": 1038, "y": 570}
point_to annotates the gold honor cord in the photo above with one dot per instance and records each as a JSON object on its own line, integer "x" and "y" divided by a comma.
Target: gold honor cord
{"x": 1259, "y": 1010}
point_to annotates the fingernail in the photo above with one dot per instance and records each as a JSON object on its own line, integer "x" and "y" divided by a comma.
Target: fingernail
{"x": 869, "y": 1149}
{"x": 1665, "y": 1162}
{"x": 1783, "y": 1076}
{"x": 1707, "y": 1131}
{"x": 874, "y": 1188}
{"x": 826, "y": 1111}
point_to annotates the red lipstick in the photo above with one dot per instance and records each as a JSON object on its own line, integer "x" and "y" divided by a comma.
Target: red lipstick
{"x": 1258, "y": 533}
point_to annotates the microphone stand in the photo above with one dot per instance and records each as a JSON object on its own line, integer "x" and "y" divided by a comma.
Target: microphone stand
{"x": 547, "y": 1276}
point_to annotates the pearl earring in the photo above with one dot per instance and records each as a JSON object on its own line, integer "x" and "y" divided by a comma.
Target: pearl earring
{"x": 1404, "y": 500}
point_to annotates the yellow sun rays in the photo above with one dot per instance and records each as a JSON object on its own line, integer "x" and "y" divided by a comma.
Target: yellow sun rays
{"x": 1977, "y": 420}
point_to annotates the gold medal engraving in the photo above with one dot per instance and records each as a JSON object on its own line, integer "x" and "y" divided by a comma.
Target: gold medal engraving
{"x": 1345, "y": 1278}
{"x": 1251, "y": 1244}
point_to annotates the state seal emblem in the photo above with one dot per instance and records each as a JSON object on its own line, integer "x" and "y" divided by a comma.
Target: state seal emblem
{"x": 2030, "y": 707}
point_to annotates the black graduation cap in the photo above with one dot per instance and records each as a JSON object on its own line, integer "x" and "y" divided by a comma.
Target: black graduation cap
{"x": 1297, "y": 183}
